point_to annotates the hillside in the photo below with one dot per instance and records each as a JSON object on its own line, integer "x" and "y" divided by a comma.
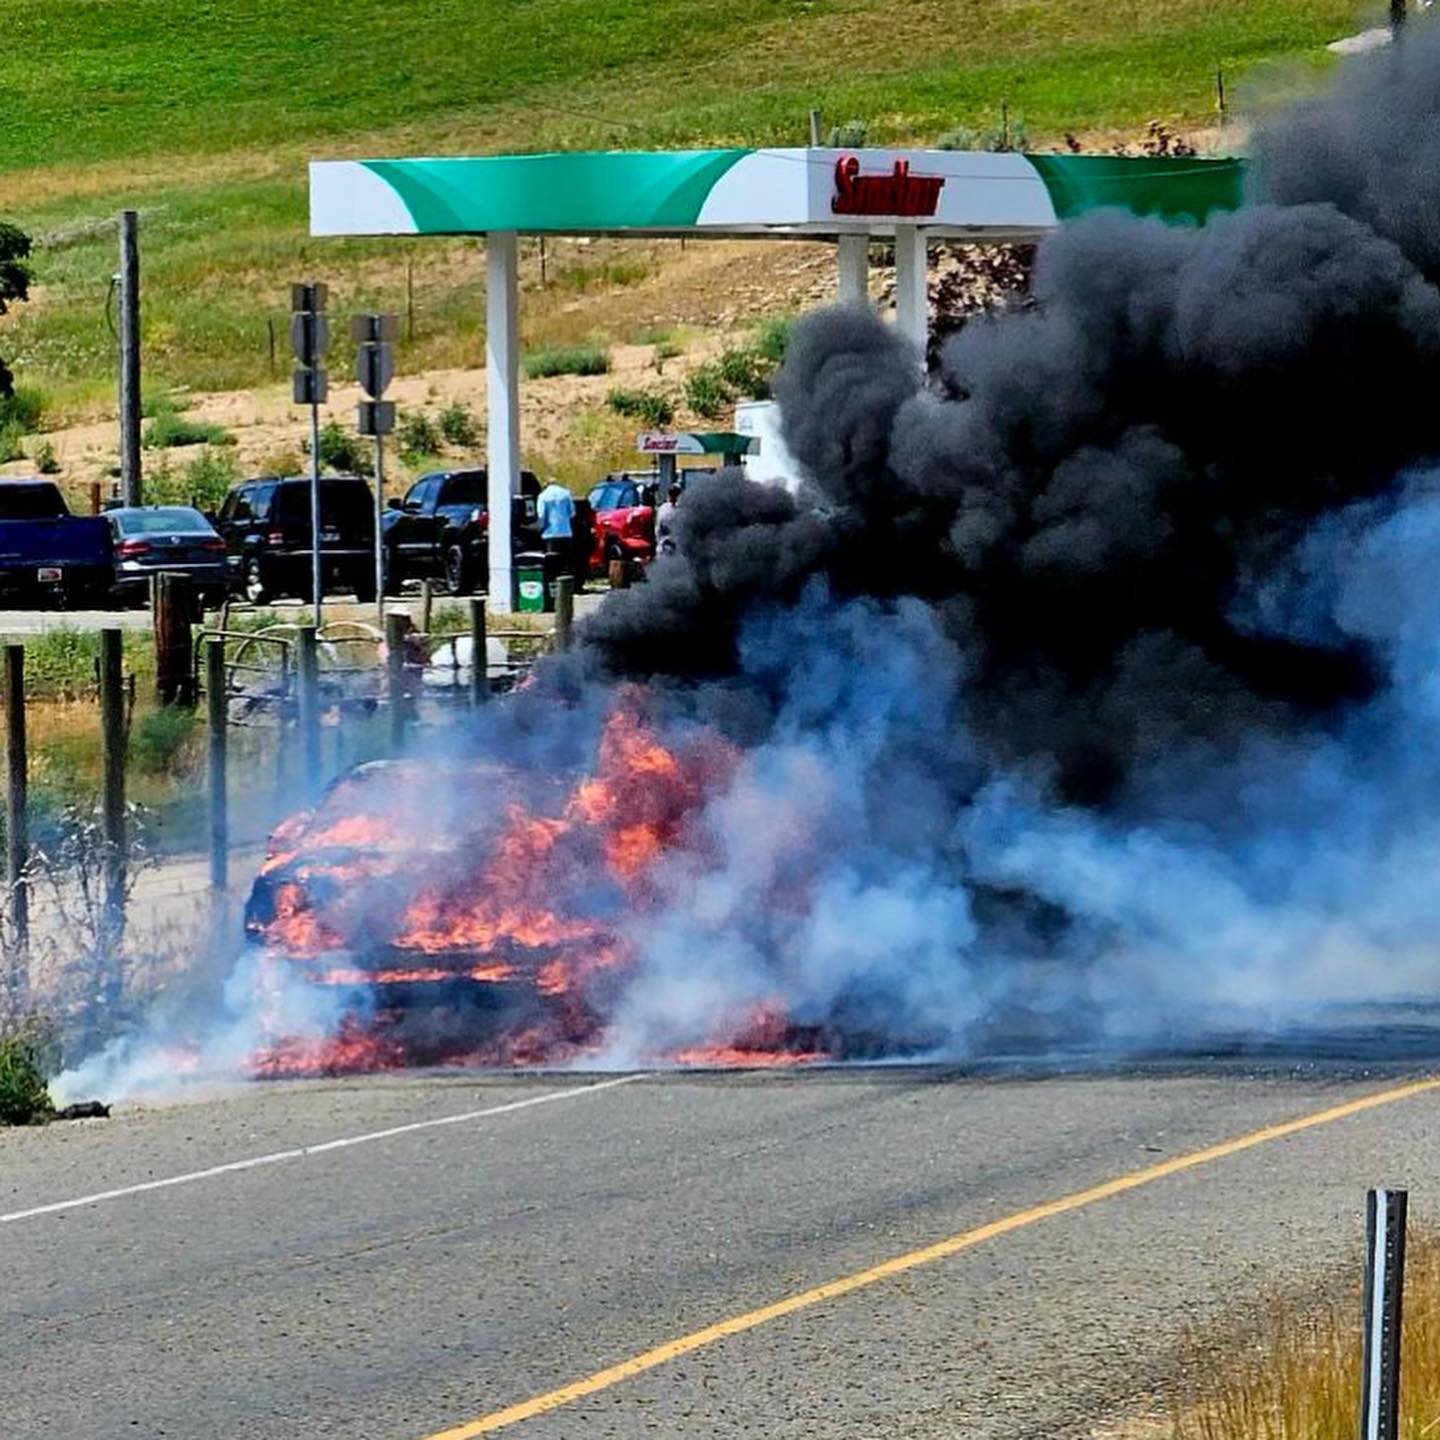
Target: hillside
{"x": 202, "y": 116}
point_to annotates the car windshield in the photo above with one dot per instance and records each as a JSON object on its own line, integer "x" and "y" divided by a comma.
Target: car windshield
{"x": 467, "y": 488}
{"x": 342, "y": 502}
{"x": 166, "y": 520}
{"x": 30, "y": 502}
{"x": 614, "y": 496}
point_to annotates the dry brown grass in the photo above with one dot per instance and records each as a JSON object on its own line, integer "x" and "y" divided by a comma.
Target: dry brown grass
{"x": 1297, "y": 1376}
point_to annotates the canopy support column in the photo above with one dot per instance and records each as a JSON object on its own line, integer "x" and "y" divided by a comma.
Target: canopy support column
{"x": 912, "y": 297}
{"x": 502, "y": 381}
{"x": 853, "y": 259}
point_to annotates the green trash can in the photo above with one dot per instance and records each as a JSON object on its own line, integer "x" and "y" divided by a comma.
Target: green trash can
{"x": 531, "y": 592}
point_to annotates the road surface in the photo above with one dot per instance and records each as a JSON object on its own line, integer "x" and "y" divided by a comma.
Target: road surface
{"x": 492, "y": 1259}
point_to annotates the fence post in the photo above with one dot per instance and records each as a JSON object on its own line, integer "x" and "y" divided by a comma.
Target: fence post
{"x": 564, "y": 610}
{"x": 397, "y": 627}
{"x": 1384, "y": 1288}
{"x": 427, "y": 602}
{"x": 112, "y": 806}
{"x": 17, "y": 827}
{"x": 217, "y": 716}
{"x": 173, "y": 602}
{"x": 479, "y": 654}
{"x": 307, "y": 694}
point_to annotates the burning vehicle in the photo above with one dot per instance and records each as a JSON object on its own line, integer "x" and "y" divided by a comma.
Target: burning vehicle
{"x": 470, "y": 914}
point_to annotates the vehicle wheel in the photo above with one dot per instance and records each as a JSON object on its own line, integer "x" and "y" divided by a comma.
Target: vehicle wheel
{"x": 458, "y": 579}
{"x": 256, "y": 583}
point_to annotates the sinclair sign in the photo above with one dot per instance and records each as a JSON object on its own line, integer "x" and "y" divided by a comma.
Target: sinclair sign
{"x": 896, "y": 192}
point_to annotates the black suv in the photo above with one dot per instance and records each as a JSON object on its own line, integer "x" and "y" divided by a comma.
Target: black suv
{"x": 265, "y": 524}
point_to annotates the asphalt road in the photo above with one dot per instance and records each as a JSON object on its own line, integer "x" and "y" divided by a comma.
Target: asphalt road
{"x": 405, "y": 1285}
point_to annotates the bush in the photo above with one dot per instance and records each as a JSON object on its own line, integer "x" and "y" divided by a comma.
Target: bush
{"x": 707, "y": 393}
{"x": 652, "y": 407}
{"x": 45, "y": 460}
{"x": 849, "y": 136}
{"x": 417, "y": 436}
{"x": 202, "y": 483}
{"x": 24, "y": 408}
{"x": 567, "y": 360}
{"x": 10, "y": 446}
{"x": 168, "y": 431}
{"x": 340, "y": 449}
{"x": 24, "y": 1095}
{"x": 772, "y": 338}
{"x": 159, "y": 737}
{"x": 459, "y": 426}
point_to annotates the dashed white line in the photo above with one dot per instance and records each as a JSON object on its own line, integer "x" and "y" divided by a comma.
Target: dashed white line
{"x": 279, "y": 1157}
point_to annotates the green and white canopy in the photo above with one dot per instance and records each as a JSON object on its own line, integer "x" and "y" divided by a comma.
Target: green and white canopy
{"x": 746, "y": 191}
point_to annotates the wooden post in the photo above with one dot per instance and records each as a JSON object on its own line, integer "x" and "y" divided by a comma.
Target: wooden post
{"x": 130, "y": 475}
{"x": 112, "y": 804}
{"x": 397, "y": 627}
{"x": 217, "y": 716}
{"x": 307, "y": 685}
{"x": 174, "y": 610}
{"x": 564, "y": 610}
{"x": 427, "y": 603}
{"x": 95, "y": 506}
{"x": 479, "y": 654}
{"x": 17, "y": 827}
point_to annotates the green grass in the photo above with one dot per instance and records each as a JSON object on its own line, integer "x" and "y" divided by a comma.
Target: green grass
{"x": 24, "y": 1095}
{"x": 202, "y": 116}
{"x": 567, "y": 360}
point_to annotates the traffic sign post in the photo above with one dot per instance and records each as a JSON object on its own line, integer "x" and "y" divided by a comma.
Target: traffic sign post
{"x": 375, "y": 369}
{"x": 309, "y": 337}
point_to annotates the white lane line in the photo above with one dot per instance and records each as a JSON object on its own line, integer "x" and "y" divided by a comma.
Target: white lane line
{"x": 300, "y": 1153}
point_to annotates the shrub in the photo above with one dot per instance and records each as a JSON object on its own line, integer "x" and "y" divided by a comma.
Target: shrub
{"x": 10, "y": 446}
{"x": 24, "y": 1095}
{"x": 665, "y": 350}
{"x": 652, "y": 407}
{"x": 707, "y": 393}
{"x": 849, "y": 136}
{"x": 745, "y": 373}
{"x": 417, "y": 436}
{"x": 567, "y": 360}
{"x": 25, "y": 407}
{"x": 340, "y": 448}
{"x": 45, "y": 460}
{"x": 772, "y": 337}
{"x": 168, "y": 431}
{"x": 159, "y": 738}
{"x": 202, "y": 483}
{"x": 459, "y": 426}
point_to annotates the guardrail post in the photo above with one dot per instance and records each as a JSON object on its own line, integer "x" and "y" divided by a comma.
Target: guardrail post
{"x": 479, "y": 654}
{"x": 17, "y": 824}
{"x": 307, "y": 690}
{"x": 112, "y": 805}
{"x": 217, "y": 717}
{"x": 564, "y": 610}
{"x": 397, "y": 627}
{"x": 1384, "y": 1287}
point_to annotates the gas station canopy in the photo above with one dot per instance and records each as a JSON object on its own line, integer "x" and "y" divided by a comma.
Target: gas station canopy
{"x": 849, "y": 196}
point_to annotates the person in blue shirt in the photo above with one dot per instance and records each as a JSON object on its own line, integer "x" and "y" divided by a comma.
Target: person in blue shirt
{"x": 556, "y": 510}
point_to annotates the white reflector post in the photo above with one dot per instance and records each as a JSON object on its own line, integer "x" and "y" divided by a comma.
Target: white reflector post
{"x": 1384, "y": 1287}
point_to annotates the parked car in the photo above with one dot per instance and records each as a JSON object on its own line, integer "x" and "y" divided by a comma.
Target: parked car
{"x": 265, "y": 524}
{"x": 441, "y": 530}
{"x": 624, "y": 527}
{"x": 47, "y": 555}
{"x": 173, "y": 538}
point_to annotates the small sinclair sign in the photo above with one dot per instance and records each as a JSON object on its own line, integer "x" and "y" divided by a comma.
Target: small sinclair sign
{"x": 896, "y": 193}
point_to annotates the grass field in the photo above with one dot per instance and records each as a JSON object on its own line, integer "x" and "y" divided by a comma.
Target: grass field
{"x": 202, "y": 115}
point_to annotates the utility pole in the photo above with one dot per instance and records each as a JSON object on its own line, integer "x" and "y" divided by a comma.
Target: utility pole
{"x": 309, "y": 335}
{"x": 374, "y": 369}
{"x": 129, "y": 278}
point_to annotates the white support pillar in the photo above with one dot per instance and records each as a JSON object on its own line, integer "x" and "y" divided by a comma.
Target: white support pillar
{"x": 502, "y": 381}
{"x": 912, "y": 297}
{"x": 853, "y": 259}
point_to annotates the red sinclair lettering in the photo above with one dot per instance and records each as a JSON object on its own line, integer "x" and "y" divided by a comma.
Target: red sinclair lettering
{"x": 898, "y": 193}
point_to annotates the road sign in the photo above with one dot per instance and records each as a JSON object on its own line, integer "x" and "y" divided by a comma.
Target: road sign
{"x": 375, "y": 417}
{"x": 374, "y": 328}
{"x": 374, "y": 368}
{"x": 311, "y": 386}
{"x": 309, "y": 336}
{"x": 313, "y": 295}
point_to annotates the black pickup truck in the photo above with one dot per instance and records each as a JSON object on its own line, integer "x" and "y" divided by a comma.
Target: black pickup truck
{"x": 47, "y": 555}
{"x": 441, "y": 530}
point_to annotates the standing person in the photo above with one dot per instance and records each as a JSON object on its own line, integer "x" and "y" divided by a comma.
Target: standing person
{"x": 665, "y": 523}
{"x": 556, "y": 508}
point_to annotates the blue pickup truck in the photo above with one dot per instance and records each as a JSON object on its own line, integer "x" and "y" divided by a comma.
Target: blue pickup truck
{"x": 47, "y": 555}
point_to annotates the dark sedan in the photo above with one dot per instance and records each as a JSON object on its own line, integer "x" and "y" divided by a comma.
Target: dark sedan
{"x": 173, "y": 538}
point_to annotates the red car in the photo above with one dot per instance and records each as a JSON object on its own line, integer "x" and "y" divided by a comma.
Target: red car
{"x": 624, "y": 507}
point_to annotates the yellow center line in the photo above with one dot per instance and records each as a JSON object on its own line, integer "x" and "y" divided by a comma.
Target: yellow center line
{"x": 941, "y": 1250}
